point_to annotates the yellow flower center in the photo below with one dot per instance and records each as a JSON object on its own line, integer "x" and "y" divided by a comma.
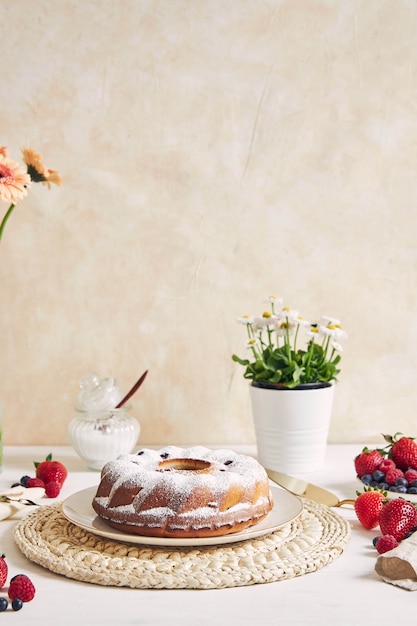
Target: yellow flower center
{"x": 266, "y": 314}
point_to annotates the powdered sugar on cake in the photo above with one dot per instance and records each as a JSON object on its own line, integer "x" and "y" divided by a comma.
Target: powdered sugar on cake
{"x": 183, "y": 492}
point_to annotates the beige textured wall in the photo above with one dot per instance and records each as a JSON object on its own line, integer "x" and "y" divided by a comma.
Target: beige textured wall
{"x": 213, "y": 152}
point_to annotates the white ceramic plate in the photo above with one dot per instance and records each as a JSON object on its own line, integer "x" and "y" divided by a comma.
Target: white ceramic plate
{"x": 78, "y": 510}
{"x": 391, "y": 495}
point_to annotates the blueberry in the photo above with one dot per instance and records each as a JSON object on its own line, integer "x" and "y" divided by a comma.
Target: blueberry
{"x": 24, "y": 480}
{"x": 17, "y": 604}
{"x": 401, "y": 481}
{"x": 366, "y": 479}
{"x": 398, "y": 489}
{"x": 412, "y": 490}
{"x": 374, "y": 540}
{"x": 384, "y": 486}
{"x": 413, "y": 483}
{"x": 3, "y": 604}
{"x": 378, "y": 475}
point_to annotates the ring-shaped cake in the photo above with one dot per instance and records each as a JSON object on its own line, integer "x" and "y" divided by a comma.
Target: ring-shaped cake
{"x": 183, "y": 492}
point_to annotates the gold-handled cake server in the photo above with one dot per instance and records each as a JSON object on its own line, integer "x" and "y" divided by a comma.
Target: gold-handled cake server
{"x": 307, "y": 490}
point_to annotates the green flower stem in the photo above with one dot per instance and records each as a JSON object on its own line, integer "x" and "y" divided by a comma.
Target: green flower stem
{"x": 287, "y": 340}
{"x": 269, "y": 337}
{"x": 326, "y": 347}
{"x": 5, "y": 218}
{"x": 295, "y": 338}
{"x": 310, "y": 356}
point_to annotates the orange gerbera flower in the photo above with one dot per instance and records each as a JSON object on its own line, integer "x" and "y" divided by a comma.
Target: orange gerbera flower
{"x": 14, "y": 181}
{"x": 37, "y": 171}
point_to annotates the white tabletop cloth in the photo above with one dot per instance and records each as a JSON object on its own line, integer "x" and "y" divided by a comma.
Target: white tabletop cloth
{"x": 347, "y": 592}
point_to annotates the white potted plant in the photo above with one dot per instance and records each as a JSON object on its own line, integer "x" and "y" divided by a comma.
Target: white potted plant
{"x": 292, "y": 365}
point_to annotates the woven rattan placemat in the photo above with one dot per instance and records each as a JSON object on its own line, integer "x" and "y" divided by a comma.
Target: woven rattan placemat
{"x": 314, "y": 539}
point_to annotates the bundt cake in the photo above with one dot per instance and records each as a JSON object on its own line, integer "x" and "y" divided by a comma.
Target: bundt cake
{"x": 183, "y": 492}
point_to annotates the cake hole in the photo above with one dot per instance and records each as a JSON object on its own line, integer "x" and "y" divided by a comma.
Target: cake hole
{"x": 185, "y": 465}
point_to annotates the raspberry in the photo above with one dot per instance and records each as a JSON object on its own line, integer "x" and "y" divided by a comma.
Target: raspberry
{"x": 386, "y": 543}
{"x": 386, "y": 465}
{"x": 411, "y": 475}
{"x": 52, "y": 490}
{"x": 392, "y": 475}
{"x": 35, "y": 482}
{"x": 21, "y": 588}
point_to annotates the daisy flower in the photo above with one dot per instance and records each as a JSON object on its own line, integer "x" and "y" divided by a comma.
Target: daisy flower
{"x": 245, "y": 319}
{"x": 277, "y": 358}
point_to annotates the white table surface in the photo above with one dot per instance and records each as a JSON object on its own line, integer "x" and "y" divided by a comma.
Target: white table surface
{"x": 346, "y": 592}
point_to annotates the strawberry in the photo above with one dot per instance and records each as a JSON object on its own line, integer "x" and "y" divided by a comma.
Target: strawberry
{"x": 3, "y": 570}
{"x": 397, "y": 518}
{"x": 51, "y": 471}
{"x": 368, "y": 506}
{"x": 386, "y": 543}
{"x": 403, "y": 451}
{"x": 21, "y": 588}
{"x": 367, "y": 461}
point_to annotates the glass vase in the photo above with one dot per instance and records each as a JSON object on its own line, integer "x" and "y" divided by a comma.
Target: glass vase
{"x": 102, "y": 436}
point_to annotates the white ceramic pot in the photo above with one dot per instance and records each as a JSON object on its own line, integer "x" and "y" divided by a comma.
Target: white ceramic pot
{"x": 291, "y": 426}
